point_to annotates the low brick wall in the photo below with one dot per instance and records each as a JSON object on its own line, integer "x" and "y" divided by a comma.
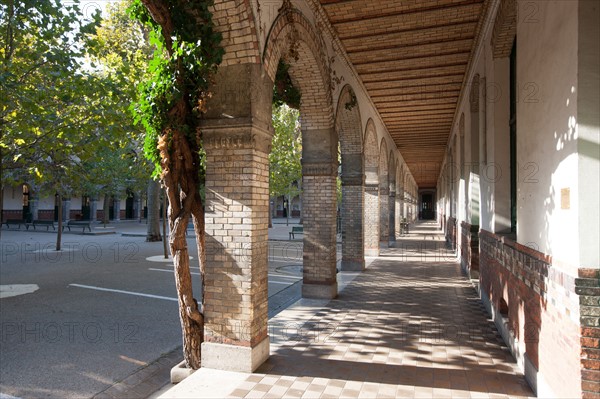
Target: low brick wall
{"x": 11, "y": 214}
{"x": 535, "y": 307}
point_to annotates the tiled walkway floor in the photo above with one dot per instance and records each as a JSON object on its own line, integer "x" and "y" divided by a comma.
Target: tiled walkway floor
{"x": 409, "y": 326}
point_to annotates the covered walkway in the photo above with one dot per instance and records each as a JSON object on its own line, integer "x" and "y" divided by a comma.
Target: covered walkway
{"x": 410, "y": 325}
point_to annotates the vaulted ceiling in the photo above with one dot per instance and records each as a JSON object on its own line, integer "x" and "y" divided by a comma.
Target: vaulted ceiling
{"x": 412, "y": 56}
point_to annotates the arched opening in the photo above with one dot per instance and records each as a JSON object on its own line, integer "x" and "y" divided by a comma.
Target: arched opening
{"x": 293, "y": 42}
{"x": 384, "y": 205}
{"x": 27, "y": 215}
{"x": 371, "y": 197}
{"x": 130, "y": 202}
{"x": 237, "y": 136}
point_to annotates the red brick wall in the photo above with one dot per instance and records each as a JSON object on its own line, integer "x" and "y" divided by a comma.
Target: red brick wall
{"x": 46, "y": 214}
{"x": 542, "y": 309}
{"x": 587, "y": 286}
{"x": 11, "y": 214}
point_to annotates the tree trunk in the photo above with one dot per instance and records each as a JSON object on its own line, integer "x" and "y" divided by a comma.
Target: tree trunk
{"x": 60, "y": 222}
{"x": 180, "y": 161}
{"x": 153, "y": 232}
{"x": 271, "y": 201}
{"x": 180, "y": 164}
{"x": 105, "y": 206}
{"x": 1, "y": 201}
{"x": 164, "y": 226}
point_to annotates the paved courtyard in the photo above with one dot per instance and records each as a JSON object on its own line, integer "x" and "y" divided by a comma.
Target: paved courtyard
{"x": 409, "y": 326}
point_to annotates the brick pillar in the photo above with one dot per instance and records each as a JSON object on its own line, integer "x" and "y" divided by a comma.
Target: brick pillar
{"x": 117, "y": 209}
{"x": 236, "y": 220}
{"x": 392, "y": 222}
{"x": 319, "y": 183}
{"x": 371, "y": 220}
{"x": 384, "y": 216}
{"x": 237, "y": 205}
{"x": 353, "y": 250}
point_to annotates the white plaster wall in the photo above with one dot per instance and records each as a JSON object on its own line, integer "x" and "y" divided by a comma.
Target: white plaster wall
{"x": 46, "y": 203}
{"x": 546, "y": 142}
{"x": 13, "y": 198}
{"x": 76, "y": 203}
{"x": 588, "y": 133}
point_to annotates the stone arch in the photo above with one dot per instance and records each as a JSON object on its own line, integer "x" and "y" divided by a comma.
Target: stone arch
{"x": 371, "y": 196}
{"x": 293, "y": 39}
{"x": 384, "y": 192}
{"x": 348, "y": 126}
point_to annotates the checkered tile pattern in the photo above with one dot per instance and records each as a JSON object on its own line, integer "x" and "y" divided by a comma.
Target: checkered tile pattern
{"x": 409, "y": 326}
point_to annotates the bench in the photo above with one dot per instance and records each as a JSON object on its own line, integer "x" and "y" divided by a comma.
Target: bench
{"x": 47, "y": 223}
{"x": 79, "y": 223}
{"x": 296, "y": 230}
{"x": 16, "y": 222}
{"x": 403, "y": 227}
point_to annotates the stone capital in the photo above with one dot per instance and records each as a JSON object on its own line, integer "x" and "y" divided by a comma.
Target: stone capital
{"x": 236, "y": 136}
{"x": 351, "y": 179}
{"x": 319, "y": 168}
{"x": 372, "y": 187}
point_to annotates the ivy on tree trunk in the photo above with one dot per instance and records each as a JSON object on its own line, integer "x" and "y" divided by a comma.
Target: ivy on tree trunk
{"x": 169, "y": 107}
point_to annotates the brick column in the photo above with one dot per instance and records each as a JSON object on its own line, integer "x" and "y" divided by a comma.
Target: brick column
{"x": 236, "y": 134}
{"x": 319, "y": 183}
{"x": 237, "y": 205}
{"x": 384, "y": 216}
{"x": 392, "y": 221}
{"x": 353, "y": 250}
{"x": 371, "y": 219}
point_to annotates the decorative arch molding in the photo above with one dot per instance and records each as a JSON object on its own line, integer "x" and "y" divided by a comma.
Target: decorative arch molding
{"x": 348, "y": 126}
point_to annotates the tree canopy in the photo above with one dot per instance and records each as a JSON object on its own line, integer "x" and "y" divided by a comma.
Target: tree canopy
{"x": 285, "y": 167}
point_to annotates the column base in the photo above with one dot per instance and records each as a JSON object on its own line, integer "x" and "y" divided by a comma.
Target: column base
{"x": 350, "y": 265}
{"x": 319, "y": 291}
{"x": 242, "y": 359}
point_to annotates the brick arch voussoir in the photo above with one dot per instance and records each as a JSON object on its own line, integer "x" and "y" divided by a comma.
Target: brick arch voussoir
{"x": 348, "y": 125}
{"x": 312, "y": 69}
{"x": 234, "y": 19}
